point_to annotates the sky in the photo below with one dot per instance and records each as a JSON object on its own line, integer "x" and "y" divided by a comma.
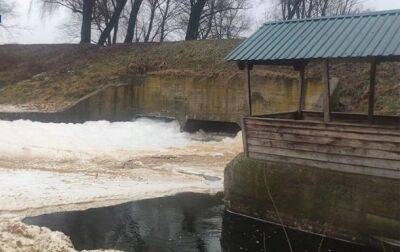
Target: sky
{"x": 32, "y": 28}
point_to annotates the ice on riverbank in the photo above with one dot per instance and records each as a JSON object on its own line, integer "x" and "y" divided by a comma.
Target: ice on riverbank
{"x": 16, "y": 236}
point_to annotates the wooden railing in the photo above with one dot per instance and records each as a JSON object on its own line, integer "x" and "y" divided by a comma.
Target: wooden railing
{"x": 342, "y": 146}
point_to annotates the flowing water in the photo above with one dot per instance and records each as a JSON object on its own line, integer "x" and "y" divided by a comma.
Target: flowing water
{"x": 185, "y": 222}
{"x": 48, "y": 167}
{"x": 103, "y": 139}
{"x": 91, "y": 138}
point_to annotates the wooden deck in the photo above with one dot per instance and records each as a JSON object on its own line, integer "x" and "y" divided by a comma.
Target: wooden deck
{"x": 347, "y": 144}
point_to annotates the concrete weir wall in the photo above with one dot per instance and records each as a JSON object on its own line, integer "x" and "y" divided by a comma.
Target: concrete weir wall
{"x": 184, "y": 97}
{"x": 356, "y": 208}
{"x": 194, "y": 98}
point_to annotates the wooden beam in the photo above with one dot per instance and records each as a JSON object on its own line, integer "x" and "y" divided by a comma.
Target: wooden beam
{"x": 327, "y": 91}
{"x": 249, "y": 67}
{"x": 300, "y": 92}
{"x": 244, "y": 138}
{"x": 371, "y": 95}
{"x": 241, "y": 65}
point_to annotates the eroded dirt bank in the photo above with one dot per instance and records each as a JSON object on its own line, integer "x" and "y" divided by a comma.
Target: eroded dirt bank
{"x": 75, "y": 167}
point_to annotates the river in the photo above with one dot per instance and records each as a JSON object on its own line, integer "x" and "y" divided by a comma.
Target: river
{"x": 186, "y": 222}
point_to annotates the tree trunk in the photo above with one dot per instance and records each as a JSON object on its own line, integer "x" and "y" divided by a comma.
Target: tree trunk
{"x": 115, "y": 33}
{"x": 132, "y": 21}
{"x": 210, "y": 19}
{"x": 192, "y": 32}
{"x": 86, "y": 29}
{"x": 164, "y": 20}
{"x": 115, "y": 30}
{"x": 113, "y": 21}
{"x": 152, "y": 14}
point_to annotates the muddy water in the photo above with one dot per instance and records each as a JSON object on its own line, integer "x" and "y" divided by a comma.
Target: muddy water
{"x": 186, "y": 222}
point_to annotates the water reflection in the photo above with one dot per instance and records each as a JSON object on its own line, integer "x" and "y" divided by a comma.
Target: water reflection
{"x": 186, "y": 222}
{"x": 243, "y": 234}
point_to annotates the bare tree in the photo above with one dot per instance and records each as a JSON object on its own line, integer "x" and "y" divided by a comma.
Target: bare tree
{"x": 153, "y": 4}
{"x": 196, "y": 9}
{"x": 296, "y": 9}
{"x": 72, "y": 29}
{"x": 165, "y": 11}
{"x": 103, "y": 15}
{"x": 214, "y": 15}
{"x": 84, "y": 8}
{"x": 6, "y": 10}
{"x": 224, "y": 19}
{"x": 87, "y": 13}
{"x": 49, "y": 6}
{"x": 106, "y": 20}
{"x": 113, "y": 22}
{"x": 161, "y": 21}
{"x": 210, "y": 18}
{"x": 344, "y": 7}
{"x": 132, "y": 20}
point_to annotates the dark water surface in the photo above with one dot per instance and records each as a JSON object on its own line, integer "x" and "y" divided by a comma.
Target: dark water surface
{"x": 186, "y": 222}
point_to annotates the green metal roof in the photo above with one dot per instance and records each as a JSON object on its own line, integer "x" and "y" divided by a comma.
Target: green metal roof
{"x": 374, "y": 34}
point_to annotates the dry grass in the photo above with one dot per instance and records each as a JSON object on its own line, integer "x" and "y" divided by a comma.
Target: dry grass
{"x": 53, "y": 76}
{"x": 352, "y": 92}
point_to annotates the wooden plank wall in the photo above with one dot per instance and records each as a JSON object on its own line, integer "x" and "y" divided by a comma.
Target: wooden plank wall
{"x": 378, "y": 120}
{"x": 342, "y": 147}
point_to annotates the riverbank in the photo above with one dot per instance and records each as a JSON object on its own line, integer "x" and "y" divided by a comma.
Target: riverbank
{"x": 183, "y": 80}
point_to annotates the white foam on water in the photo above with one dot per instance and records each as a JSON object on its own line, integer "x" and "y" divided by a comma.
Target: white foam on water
{"x": 97, "y": 138}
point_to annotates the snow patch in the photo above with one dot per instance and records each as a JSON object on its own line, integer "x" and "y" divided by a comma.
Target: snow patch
{"x": 42, "y": 188}
{"x": 16, "y": 236}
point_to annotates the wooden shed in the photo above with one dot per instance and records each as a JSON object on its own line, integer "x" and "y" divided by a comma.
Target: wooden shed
{"x": 357, "y": 143}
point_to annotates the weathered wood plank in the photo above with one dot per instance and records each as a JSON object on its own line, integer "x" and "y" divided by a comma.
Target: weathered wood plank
{"x": 325, "y": 133}
{"x": 395, "y": 127}
{"x": 300, "y": 91}
{"x": 248, "y": 89}
{"x": 351, "y": 114}
{"x": 244, "y": 138}
{"x": 393, "y": 174}
{"x": 324, "y": 157}
{"x": 379, "y": 120}
{"x": 327, "y": 91}
{"x": 330, "y": 127}
{"x": 371, "y": 95}
{"x": 366, "y": 144}
{"x": 283, "y": 115}
{"x": 313, "y": 147}
{"x": 371, "y": 148}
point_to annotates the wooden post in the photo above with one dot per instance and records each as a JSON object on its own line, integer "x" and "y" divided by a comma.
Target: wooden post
{"x": 244, "y": 138}
{"x": 300, "y": 92}
{"x": 371, "y": 98}
{"x": 327, "y": 91}
{"x": 249, "y": 67}
{"x": 248, "y": 112}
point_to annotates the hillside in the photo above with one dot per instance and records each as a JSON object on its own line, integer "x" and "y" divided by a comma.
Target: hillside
{"x": 50, "y": 77}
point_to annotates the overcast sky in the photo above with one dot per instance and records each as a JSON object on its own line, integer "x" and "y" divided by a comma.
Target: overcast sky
{"x": 33, "y": 29}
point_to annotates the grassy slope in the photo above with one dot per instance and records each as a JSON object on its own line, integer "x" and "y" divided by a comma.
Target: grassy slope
{"x": 352, "y": 92}
{"x": 52, "y": 76}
